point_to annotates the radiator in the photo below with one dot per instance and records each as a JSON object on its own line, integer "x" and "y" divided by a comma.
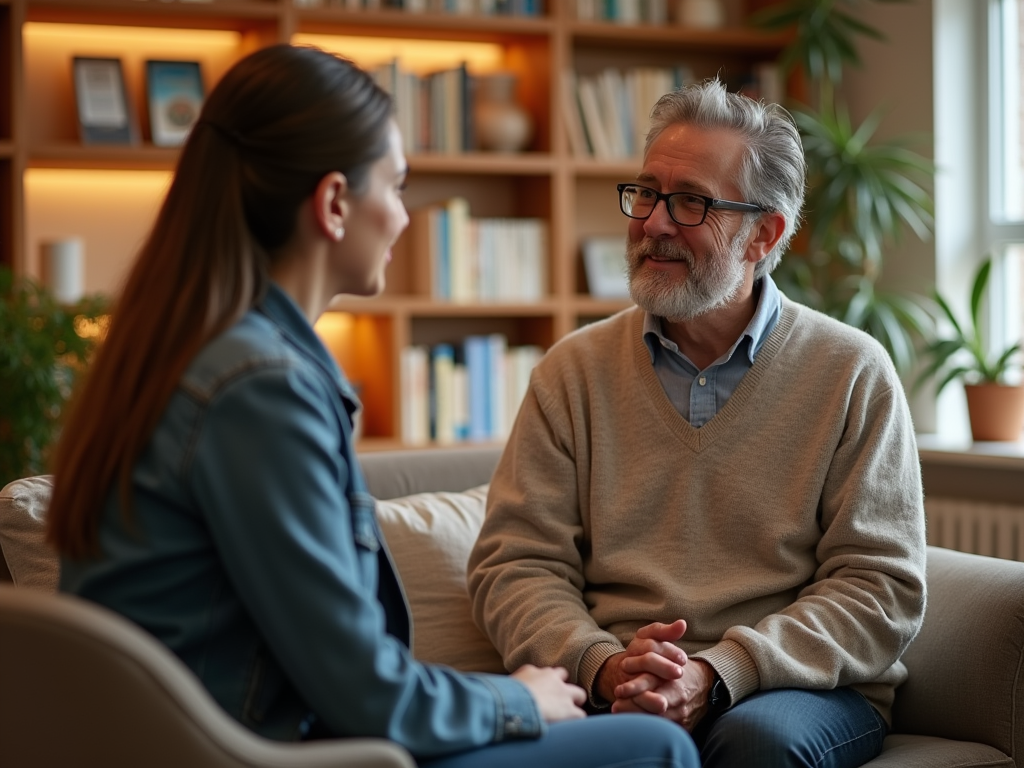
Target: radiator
{"x": 980, "y": 527}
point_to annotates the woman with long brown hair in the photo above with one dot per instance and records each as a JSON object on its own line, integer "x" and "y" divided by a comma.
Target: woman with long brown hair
{"x": 206, "y": 484}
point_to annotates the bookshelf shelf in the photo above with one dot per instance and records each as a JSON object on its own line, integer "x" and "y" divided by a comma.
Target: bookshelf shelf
{"x": 570, "y": 193}
{"x": 77, "y": 156}
{"x": 727, "y": 40}
{"x": 422, "y": 306}
{"x": 488, "y": 163}
{"x": 422, "y": 25}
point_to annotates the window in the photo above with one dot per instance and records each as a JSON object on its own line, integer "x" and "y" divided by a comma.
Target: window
{"x": 1004, "y": 223}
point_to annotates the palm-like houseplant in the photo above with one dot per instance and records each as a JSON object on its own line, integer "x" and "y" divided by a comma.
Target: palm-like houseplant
{"x": 45, "y": 347}
{"x": 862, "y": 193}
{"x": 996, "y": 408}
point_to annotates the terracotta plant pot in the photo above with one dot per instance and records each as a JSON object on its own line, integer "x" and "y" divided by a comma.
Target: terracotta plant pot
{"x": 996, "y": 411}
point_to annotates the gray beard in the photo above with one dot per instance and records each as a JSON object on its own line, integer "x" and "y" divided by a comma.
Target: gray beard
{"x": 713, "y": 281}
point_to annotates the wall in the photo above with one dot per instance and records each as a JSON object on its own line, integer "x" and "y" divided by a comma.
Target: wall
{"x": 897, "y": 75}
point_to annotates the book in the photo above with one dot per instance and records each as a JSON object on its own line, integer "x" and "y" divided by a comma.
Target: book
{"x": 174, "y": 91}
{"x": 592, "y": 119}
{"x": 477, "y": 349}
{"x": 101, "y": 99}
{"x": 415, "y": 396}
{"x": 497, "y": 384}
{"x": 443, "y": 393}
{"x": 571, "y": 110}
{"x": 462, "y": 278}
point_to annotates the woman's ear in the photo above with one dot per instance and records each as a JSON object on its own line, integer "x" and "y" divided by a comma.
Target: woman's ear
{"x": 330, "y": 205}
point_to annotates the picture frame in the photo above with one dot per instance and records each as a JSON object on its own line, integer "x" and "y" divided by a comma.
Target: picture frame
{"x": 174, "y": 95}
{"x": 604, "y": 260}
{"x": 101, "y": 100}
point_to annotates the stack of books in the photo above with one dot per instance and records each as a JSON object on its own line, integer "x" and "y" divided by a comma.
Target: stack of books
{"x": 469, "y": 391}
{"x": 461, "y": 7}
{"x": 434, "y": 111}
{"x": 607, "y": 115}
{"x": 464, "y": 260}
{"x": 623, "y": 11}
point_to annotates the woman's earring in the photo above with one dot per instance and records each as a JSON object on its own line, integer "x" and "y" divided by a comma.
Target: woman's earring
{"x": 338, "y": 233}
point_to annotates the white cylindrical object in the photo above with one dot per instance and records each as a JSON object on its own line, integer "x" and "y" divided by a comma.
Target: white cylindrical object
{"x": 63, "y": 268}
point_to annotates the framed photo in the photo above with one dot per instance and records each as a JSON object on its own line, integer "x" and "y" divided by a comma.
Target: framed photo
{"x": 104, "y": 116}
{"x": 604, "y": 259}
{"x": 174, "y": 91}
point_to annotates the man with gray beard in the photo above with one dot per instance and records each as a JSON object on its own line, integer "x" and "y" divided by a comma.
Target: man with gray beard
{"x": 710, "y": 507}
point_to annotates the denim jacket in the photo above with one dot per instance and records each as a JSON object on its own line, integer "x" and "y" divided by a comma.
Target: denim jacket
{"x": 252, "y": 550}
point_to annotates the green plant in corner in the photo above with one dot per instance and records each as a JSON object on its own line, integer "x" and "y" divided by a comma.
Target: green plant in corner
{"x": 46, "y": 345}
{"x": 862, "y": 192}
{"x": 965, "y": 354}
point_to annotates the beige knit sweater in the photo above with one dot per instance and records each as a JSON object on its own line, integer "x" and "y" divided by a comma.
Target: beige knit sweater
{"x": 788, "y": 531}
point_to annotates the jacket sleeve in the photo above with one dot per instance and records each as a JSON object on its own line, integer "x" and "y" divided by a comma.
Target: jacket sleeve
{"x": 269, "y": 471}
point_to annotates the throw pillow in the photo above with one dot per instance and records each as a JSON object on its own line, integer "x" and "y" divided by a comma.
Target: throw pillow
{"x": 23, "y": 505}
{"x": 430, "y": 536}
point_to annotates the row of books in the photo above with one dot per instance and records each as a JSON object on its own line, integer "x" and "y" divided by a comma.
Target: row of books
{"x": 434, "y": 111}
{"x": 623, "y": 11}
{"x": 471, "y": 391}
{"x": 464, "y": 7}
{"x": 607, "y": 115}
{"x": 464, "y": 259}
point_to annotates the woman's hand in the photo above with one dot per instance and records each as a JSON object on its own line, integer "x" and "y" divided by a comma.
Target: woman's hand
{"x": 556, "y": 699}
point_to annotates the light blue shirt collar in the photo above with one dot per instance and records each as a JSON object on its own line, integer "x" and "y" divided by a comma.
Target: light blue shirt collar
{"x": 766, "y": 315}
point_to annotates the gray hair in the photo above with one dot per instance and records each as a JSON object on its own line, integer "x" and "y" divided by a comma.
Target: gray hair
{"x": 773, "y": 170}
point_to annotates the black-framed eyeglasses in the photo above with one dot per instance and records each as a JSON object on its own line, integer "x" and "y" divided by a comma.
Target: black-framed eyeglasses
{"x": 686, "y": 208}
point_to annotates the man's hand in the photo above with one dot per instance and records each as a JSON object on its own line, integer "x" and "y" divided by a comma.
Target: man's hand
{"x": 649, "y": 660}
{"x": 556, "y": 699}
{"x": 683, "y": 700}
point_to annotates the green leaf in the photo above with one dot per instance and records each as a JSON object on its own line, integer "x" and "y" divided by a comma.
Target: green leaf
{"x": 978, "y": 290}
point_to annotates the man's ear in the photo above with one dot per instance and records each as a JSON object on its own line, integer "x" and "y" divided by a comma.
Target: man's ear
{"x": 330, "y": 205}
{"x": 766, "y": 235}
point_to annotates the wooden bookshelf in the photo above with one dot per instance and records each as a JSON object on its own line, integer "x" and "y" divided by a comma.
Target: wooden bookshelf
{"x": 573, "y": 195}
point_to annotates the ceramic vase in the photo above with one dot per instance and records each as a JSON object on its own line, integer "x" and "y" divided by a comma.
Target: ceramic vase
{"x": 701, "y": 14}
{"x": 996, "y": 411}
{"x": 500, "y": 124}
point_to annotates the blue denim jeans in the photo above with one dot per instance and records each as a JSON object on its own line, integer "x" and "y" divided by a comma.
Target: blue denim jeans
{"x": 614, "y": 741}
{"x": 790, "y": 728}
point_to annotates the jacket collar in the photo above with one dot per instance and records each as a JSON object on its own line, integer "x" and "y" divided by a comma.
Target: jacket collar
{"x": 282, "y": 310}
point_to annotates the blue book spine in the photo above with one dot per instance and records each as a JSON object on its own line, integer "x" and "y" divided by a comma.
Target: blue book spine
{"x": 444, "y": 278}
{"x": 478, "y": 373}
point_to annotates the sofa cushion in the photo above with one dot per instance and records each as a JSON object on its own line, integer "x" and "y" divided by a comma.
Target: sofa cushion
{"x": 30, "y": 560}
{"x": 430, "y": 536}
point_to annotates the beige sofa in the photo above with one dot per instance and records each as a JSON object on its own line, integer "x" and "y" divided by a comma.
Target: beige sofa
{"x": 962, "y": 706}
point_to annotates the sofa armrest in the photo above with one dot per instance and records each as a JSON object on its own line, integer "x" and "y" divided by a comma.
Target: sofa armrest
{"x": 392, "y": 474}
{"x": 967, "y": 664}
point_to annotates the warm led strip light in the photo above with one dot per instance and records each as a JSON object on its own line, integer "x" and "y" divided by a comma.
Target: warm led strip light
{"x": 93, "y": 39}
{"x": 419, "y": 56}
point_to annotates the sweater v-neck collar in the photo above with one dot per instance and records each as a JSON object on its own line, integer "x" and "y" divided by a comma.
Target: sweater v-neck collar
{"x": 699, "y": 438}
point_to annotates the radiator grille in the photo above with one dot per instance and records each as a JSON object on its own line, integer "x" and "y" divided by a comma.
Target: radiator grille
{"x": 982, "y": 528}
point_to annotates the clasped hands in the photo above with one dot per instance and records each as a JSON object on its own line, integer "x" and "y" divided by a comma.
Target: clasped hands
{"x": 654, "y": 675}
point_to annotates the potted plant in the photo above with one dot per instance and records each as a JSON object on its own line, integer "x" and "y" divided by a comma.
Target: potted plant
{"x": 995, "y": 407}
{"x": 46, "y": 345}
{"x": 862, "y": 192}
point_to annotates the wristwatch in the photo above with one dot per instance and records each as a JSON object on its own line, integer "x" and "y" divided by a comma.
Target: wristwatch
{"x": 718, "y": 697}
